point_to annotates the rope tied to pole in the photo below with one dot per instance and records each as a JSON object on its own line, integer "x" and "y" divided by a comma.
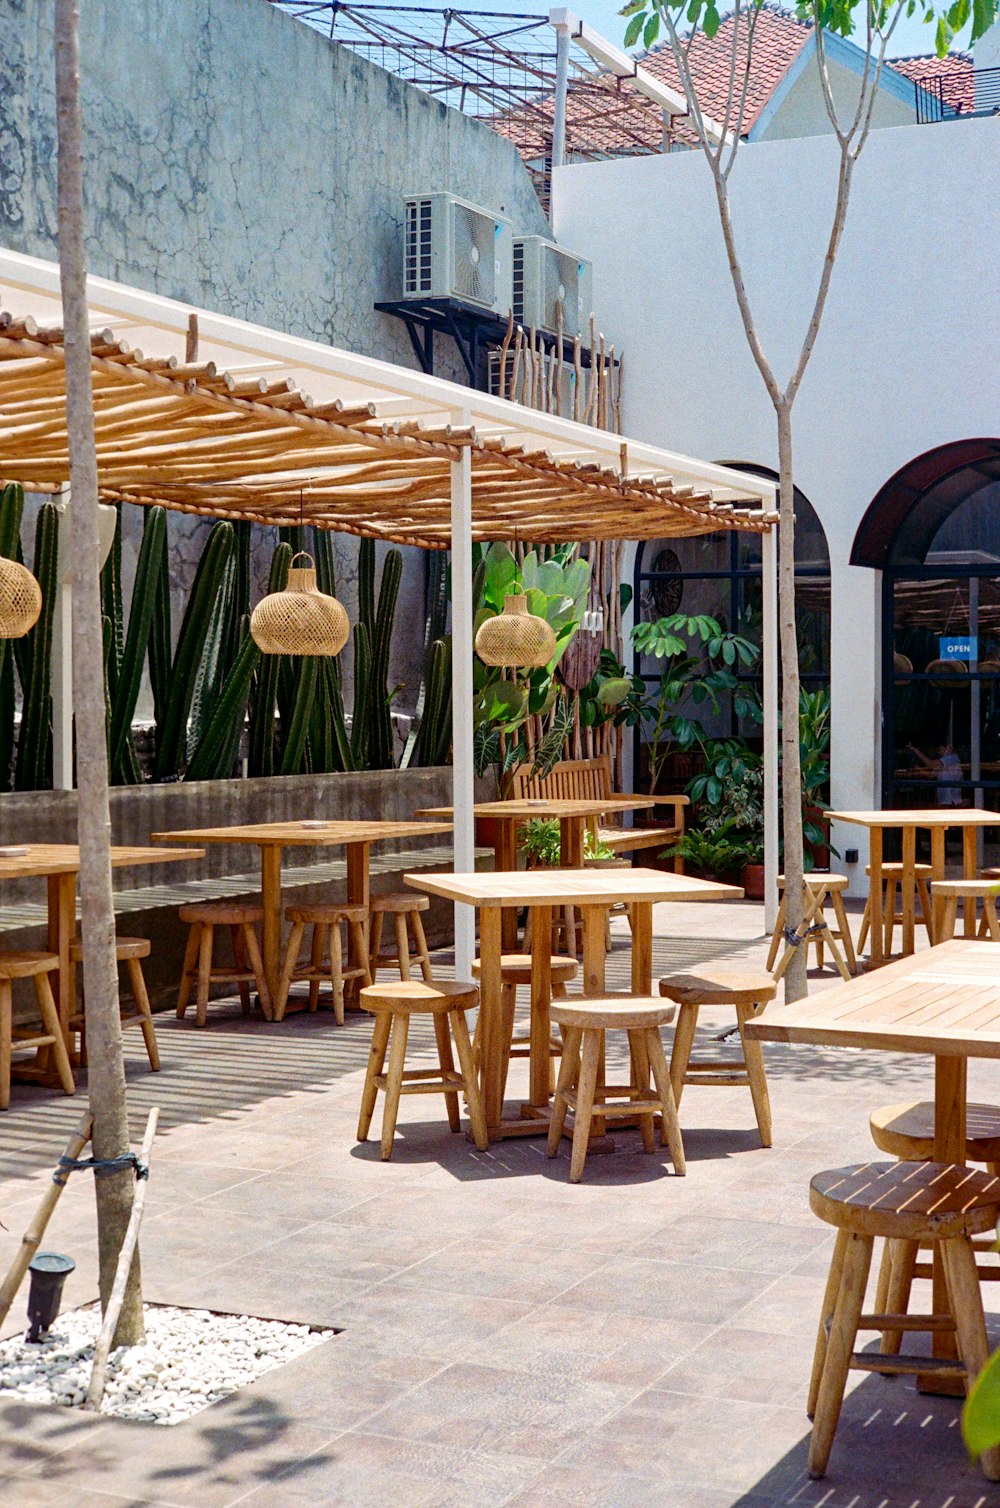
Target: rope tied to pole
{"x": 796, "y": 939}
{"x": 101, "y": 1167}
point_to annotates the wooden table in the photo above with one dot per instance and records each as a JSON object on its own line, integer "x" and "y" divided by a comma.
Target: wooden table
{"x": 355, "y": 837}
{"x": 936, "y": 821}
{"x": 943, "y": 1001}
{"x": 592, "y": 892}
{"x": 60, "y": 864}
{"x": 573, "y": 815}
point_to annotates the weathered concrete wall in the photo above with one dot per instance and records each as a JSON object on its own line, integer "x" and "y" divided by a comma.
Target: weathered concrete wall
{"x": 239, "y": 159}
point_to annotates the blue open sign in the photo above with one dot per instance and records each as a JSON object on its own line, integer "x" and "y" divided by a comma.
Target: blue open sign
{"x": 959, "y": 647}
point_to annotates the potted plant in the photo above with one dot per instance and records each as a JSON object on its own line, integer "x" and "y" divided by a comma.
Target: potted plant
{"x": 814, "y": 755}
{"x": 540, "y": 842}
{"x": 729, "y": 793}
{"x": 719, "y": 855}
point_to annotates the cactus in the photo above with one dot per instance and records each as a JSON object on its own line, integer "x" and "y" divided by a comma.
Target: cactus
{"x": 261, "y": 760}
{"x": 435, "y": 623}
{"x": 125, "y": 693}
{"x": 360, "y": 727}
{"x": 215, "y": 755}
{"x": 160, "y": 639}
{"x": 11, "y": 509}
{"x": 434, "y": 733}
{"x": 31, "y": 770}
{"x": 380, "y": 752}
{"x": 197, "y": 620}
{"x": 112, "y": 606}
{"x": 297, "y": 726}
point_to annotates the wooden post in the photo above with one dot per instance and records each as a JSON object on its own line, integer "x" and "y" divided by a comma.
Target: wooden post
{"x": 102, "y": 1349}
{"x": 191, "y": 344}
{"x": 36, "y": 1230}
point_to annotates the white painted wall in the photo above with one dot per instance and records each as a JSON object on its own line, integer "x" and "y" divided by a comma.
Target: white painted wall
{"x": 801, "y": 111}
{"x": 908, "y": 356}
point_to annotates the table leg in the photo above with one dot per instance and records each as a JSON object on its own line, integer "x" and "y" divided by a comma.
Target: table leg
{"x": 541, "y": 999}
{"x": 950, "y": 1081}
{"x": 270, "y": 896}
{"x": 61, "y": 932}
{"x": 594, "y": 977}
{"x": 491, "y": 1014}
{"x": 642, "y": 947}
{"x": 908, "y": 887}
{"x": 876, "y": 951}
{"x": 358, "y": 894}
{"x": 505, "y": 859}
{"x": 937, "y": 873}
{"x": 969, "y": 873}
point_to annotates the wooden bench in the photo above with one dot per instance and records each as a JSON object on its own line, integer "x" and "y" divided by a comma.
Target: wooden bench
{"x": 590, "y": 780}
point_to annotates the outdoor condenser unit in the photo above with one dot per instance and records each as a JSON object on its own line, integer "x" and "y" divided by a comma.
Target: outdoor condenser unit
{"x": 457, "y": 250}
{"x": 546, "y": 275}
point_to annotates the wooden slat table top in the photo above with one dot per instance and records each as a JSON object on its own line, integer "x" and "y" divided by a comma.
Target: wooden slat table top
{"x": 518, "y": 811}
{"x": 582, "y": 887}
{"x": 302, "y": 834}
{"x": 944, "y": 816}
{"x": 64, "y": 858}
{"x": 943, "y": 1000}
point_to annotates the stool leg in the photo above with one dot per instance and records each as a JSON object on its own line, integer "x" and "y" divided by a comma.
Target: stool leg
{"x": 139, "y": 994}
{"x": 240, "y": 960}
{"x": 670, "y": 1126}
{"x": 257, "y": 965}
{"x": 825, "y": 1315}
{"x": 843, "y": 927}
{"x": 316, "y": 960}
{"x": 889, "y": 927}
{"x": 959, "y": 1262}
{"x": 420, "y": 942}
{"x": 569, "y": 1068}
{"x": 585, "y": 1093}
{"x": 779, "y": 928}
{"x": 991, "y": 924}
{"x": 188, "y": 968}
{"x": 843, "y": 1331}
{"x": 640, "y": 1061}
{"x": 361, "y": 951}
{"x": 680, "y": 1056}
{"x": 473, "y": 1099}
{"x": 902, "y": 1259}
{"x": 336, "y": 972}
{"x": 508, "y": 995}
{"x": 866, "y": 922}
{"x": 949, "y": 918}
{"x": 205, "y": 950}
{"x": 374, "y": 943}
{"x": 288, "y": 969}
{"x": 402, "y": 946}
{"x": 753, "y": 1057}
{"x": 6, "y": 1029}
{"x": 884, "y": 1274}
{"x": 376, "y": 1061}
{"x": 394, "y": 1081}
{"x": 50, "y": 1020}
{"x": 443, "y": 1039}
{"x": 926, "y": 910}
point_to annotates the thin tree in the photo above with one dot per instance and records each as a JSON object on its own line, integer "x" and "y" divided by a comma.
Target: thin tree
{"x": 106, "y": 1069}
{"x": 872, "y": 24}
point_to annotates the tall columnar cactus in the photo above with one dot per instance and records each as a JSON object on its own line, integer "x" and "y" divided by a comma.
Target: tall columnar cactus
{"x": 372, "y": 696}
{"x": 296, "y": 729}
{"x": 32, "y": 771}
{"x": 195, "y": 626}
{"x": 125, "y": 692}
{"x": 433, "y": 738}
{"x": 261, "y": 760}
{"x": 11, "y": 509}
{"x": 360, "y": 725}
{"x": 160, "y": 638}
{"x": 112, "y": 603}
{"x": 215, "y": 755}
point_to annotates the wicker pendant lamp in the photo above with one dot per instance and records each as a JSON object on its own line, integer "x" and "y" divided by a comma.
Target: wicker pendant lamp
{"x": 515, "y": 638}
{"x": 300, "y": 620}
{"x": 20, "y": 599}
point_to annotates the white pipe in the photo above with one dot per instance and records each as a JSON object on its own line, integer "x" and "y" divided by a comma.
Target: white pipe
{"x": 463, "y": 784}
{"x": 562, "y": 87}
{"x": 769, "y": 667}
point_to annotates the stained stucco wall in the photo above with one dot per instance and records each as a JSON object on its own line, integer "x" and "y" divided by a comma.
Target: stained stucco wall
{"x": 241, "y": 160}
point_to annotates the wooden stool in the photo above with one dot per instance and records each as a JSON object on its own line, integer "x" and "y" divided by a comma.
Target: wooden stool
{"x": 902, "y": 1201}
{"x": 515, "y": 969}
{"x": 203, "y": 918}
{"x": 907, "y": 1132}
{"x": 130, "y": 951}
{"x": 748, "y": 993}
{"x": 392, "y": 1005}
{"x": 36, "y": 966}
{"x": 326, "y": 922}
{"x": 946, "y": 896}
{"x": 585, "y": 1023}
{"x": 815, "y": 930}
{"x": 405, "y": 907}
{"x": 892, "y": 875}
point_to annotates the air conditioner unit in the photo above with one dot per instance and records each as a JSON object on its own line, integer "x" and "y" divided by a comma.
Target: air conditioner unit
{"x": 457, "y": 250}
{"x": 545, "y": 276}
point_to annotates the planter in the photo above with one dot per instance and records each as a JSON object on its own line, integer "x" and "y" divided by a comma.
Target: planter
{"x": 487, "y": 832}
{"x": 752, "y": 880}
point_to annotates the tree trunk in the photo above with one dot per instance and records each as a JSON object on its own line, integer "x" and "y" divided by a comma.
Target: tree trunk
{"x": 106, "y": 1072}
{"x": 791, "y": 770}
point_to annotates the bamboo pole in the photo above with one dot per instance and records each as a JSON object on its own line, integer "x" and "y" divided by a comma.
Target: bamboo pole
{"x": 102, "y": 1350}
{"x": 577, "y": 378}
{"x": 36, "y": 1230}
{"x": 515, "y": 379}
{"x": 191, "y": 343}
{"x": 505, "y": 347}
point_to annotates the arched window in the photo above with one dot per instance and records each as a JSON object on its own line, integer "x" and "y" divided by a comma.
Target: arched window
{"x": 721, "y": 574}
{"x": 934, "y": 531}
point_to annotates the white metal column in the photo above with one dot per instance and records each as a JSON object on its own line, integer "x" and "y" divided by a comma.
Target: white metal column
{"x": 769, "y": 669}
{"x": 562, "y": 88}
{"x": 463, "y": 792}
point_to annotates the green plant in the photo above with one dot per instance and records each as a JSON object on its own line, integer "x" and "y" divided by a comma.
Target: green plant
{"x": 199, "y": 616}
{"x": 612, "y": 695}
{"x": 814, "y": 759}
{"x": 540, "y": 842}
{"x": 432, "y": 740}
{"x": 698, "y": 660}
{"x": 730, "y": 789}
{"x": 262, "y": 731}
{"x": 981, "y": 1410}
{"x": 722, "y": 852}
{"x": 31, "y": 772}
{"x": 215, "y": 754}
{"x": 374, "y": 688}
{"x": 11, "y": 510}
{"x": 430, "y": 732}
{"x": 124, "y": 692}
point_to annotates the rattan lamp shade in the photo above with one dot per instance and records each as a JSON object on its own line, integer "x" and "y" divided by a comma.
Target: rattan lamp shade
{"x": 515, "y": 638}
{"x": 20, "y": 599}
{"x": 300, "y": 620}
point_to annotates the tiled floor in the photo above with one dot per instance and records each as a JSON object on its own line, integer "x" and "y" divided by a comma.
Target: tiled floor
{"x": 507, "y": 1338}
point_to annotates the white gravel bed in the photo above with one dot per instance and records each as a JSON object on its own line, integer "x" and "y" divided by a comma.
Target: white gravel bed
{"x": 190, "y": 1358}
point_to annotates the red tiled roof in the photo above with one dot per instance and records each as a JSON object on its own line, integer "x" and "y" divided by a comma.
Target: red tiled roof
{"x": 952, "y": 76}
